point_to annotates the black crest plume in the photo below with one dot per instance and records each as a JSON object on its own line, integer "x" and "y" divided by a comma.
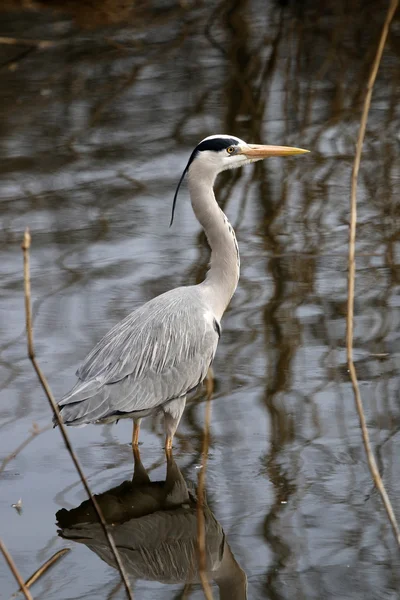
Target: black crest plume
{"x": 192, "y": 156}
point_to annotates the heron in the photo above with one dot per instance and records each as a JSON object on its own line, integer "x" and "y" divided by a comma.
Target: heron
{"x": 151, "y": 360}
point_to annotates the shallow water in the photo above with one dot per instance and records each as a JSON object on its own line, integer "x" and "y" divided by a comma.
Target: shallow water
{"x": 94, "y": 134}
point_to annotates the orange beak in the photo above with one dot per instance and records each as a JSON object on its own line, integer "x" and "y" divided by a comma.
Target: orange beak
{"x": 258, "y": 151}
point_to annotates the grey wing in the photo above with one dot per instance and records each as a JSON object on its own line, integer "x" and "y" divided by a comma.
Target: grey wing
{"x": 159, "y": 352}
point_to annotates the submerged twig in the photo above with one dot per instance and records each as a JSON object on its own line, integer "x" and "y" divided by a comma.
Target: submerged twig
{"x": 15, "y": 572}
{"x": 34, "y": 433}
{"x": 351, "y": 275}
{"x": 11, "y": 41}
{"x": 201, "y": 533}
{"x": 28, "y": 311}
{"x": 45, "y": 567}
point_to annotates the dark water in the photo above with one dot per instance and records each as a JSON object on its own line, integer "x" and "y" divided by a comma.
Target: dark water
{"x": 94, "y": 134}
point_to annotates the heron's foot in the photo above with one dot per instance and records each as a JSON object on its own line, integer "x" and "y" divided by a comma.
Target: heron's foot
{"x": 175, "y": 486}
{"x": 136, "y": 454}
{"x": 140, "y": 476}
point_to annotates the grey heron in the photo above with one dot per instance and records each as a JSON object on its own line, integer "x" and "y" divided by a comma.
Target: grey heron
{"x": 160, "y": 352}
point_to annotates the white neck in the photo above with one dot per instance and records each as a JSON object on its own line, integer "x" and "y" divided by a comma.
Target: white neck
{"x": 223, "y": 276}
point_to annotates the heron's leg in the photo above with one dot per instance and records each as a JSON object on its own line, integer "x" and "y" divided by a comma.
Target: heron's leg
{"x": 172, "y": 415}
{"x": 210, "y": 382}
{"x": 135, "y": 434}
{"x": 175, "y": 486}
{"x": 140, "y": 475}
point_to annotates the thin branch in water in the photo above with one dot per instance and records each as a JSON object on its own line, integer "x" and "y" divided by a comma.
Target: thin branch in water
{"x": 187, "y": 589}
{"x": 10, "y": 41}
{"x": 31, "y": 353}
{"x": 201, "y": 533}
{"x": 114, "y": 591}
{"x": 352, "y": 268}
{"x": 42, "y": 570}
{"x": 15, "y": 572}
{"x": 35, "y": 431}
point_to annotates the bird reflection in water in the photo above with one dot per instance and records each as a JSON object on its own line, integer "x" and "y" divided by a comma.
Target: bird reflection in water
{"x": 155, "y": 530}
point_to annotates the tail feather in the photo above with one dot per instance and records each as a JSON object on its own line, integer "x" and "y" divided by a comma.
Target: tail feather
{"x": 86, "y": 403}
{"x": 81, "y": 391}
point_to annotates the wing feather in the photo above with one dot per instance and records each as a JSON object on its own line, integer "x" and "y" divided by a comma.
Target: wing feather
{"x": 157, "y": 353}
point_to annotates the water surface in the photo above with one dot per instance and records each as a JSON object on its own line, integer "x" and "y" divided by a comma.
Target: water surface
{"x": 94, "y": 134}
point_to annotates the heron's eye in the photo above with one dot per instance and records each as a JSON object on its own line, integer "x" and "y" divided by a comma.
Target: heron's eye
{"x": 231, "y": 150}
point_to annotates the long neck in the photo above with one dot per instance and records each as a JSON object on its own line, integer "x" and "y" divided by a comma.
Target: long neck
{"x": 223, "y": 276}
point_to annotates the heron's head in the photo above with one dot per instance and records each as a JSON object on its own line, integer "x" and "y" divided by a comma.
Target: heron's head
{"x": 217, "y": 153}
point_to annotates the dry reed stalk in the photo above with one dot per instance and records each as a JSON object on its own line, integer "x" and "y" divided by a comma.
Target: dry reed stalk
{"x": 42, "y": 570}
{"x": 15, "y": 572}
{"x": 352, "y": 267}
{"x": 201, "y": 533}
{"x": 31, "y": 353}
